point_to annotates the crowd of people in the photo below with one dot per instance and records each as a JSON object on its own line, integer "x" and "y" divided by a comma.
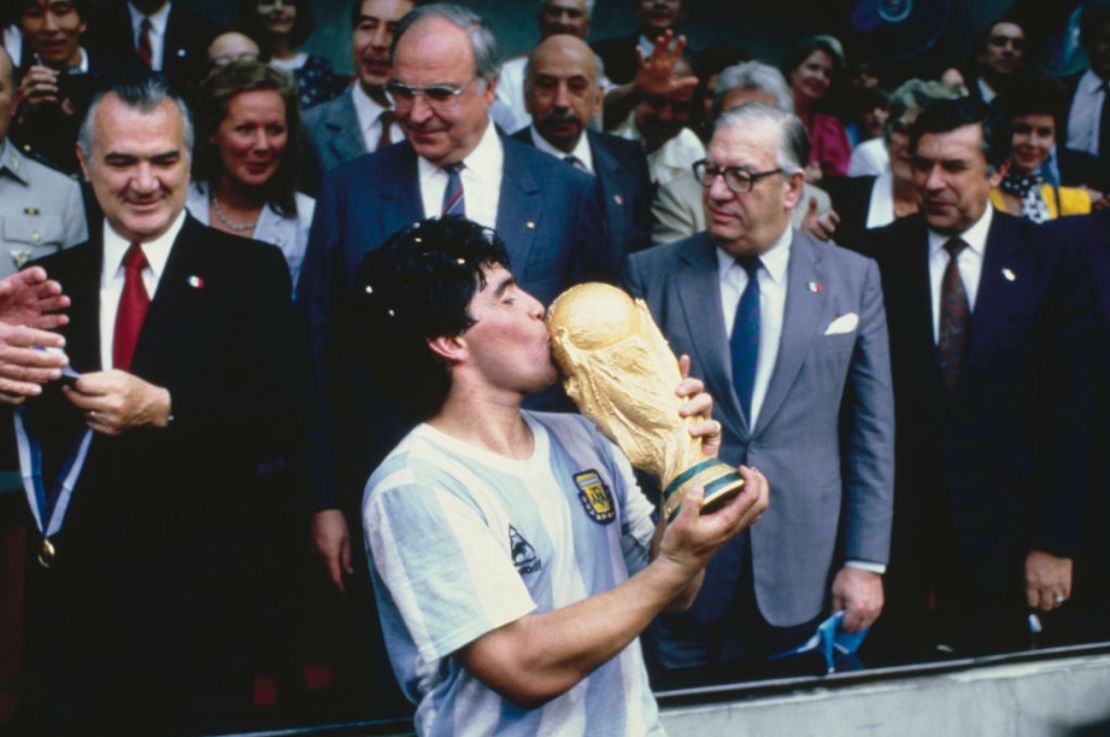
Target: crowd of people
{"x": 285, "y": 440}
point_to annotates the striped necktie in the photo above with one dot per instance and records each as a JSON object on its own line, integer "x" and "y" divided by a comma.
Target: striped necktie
{"x": 454, "y": 203}
{"x": 146, "y": 46}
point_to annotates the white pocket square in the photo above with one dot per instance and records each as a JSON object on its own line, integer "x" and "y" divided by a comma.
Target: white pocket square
{"x": 846, "y": 323}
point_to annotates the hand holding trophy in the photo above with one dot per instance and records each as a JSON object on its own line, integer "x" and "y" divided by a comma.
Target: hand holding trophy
{"x": 619, "y": 370}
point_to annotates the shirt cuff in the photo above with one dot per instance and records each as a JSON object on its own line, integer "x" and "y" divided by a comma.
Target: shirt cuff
{"x": 864, "y": 565}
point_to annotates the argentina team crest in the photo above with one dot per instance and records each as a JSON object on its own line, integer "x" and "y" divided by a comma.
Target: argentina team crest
{"x": 595, "y": 497}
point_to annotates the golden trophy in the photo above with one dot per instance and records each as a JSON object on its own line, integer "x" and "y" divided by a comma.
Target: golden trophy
{"x": 619, "y": 370}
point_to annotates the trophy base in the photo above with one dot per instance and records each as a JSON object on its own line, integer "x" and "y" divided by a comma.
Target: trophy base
{"x": 719, "y": 480}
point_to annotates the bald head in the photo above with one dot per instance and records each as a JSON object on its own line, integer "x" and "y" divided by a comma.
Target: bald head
{"x": 231, "y": 46}
{"x": 561, "y": 92}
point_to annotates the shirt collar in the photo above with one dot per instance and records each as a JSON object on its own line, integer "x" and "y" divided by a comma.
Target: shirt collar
{"x": 83, "y": 65}
{"x": 581, "y": 149}
{"x": 1090, "y": 82}
{"x": 484, "y": 162}
{"x": 11, "y": 161}
{"x": 157, "y": 21}
{"x": 975, "y": 237}
{"x": 157, "y": 251}
{"x": 774, "y": 260}
{"x": 366, "y": 107}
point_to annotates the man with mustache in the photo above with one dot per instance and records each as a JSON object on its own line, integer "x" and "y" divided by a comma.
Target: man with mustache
{"x": 987, "y": 324}
{"x": 563, "y": 95}
{"x": 554, "y": 16}
{"x": 361, "y": 120}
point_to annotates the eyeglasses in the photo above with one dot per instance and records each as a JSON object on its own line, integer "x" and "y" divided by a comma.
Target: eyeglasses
{"x": 736, "y": 179}
{"x": 439, "y": 96}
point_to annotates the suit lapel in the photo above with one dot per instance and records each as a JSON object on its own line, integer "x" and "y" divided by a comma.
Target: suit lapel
{"x": 174, "y": 305}
{"x": 347, "y": 141}
{"x": 996, "y": 296}
{"x": 802, "y": 319}
{"x": 402, "y": 204}
{"x": 919, "y": 304}
{"x": 83, "y": 287}
{"x": 700, "y": 296}
{"x": 609, "y": 173}
{"x": 519, "y": 207}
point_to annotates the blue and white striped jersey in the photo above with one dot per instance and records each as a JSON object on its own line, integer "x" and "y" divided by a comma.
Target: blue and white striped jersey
{"x": 463, "y": 541}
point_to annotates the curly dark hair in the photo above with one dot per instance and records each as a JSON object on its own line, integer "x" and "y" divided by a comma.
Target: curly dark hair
{"x": 213, "y": 97}
{"x": 1035, "y": 94}
{"x": 417, "y": 286}
{"x": 945, "y": 116}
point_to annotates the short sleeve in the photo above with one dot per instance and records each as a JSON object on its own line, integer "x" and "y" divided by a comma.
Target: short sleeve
{"x": 449, "y": 574}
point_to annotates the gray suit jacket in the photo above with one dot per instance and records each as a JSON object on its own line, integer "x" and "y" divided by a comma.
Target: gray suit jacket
{"x": 825, "y": 433}
{"x": 334, "y": 130}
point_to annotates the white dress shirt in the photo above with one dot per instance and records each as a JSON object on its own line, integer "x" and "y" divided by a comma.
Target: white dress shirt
{"x": 13, "y": 42}
{"x": 870, "y": 158}
{"x": 158, "y": 23}
{"x": 481, "y": 181}
{"x": 985, "y": 91}
{"x": 157, "y": 252}
{"x": 880, "y": 208}
{"x": 581, "y": 150}
{"x": 1085, "y": 115}
{"x": 733, "y": 280}
{"x": 970, "y": 263}
{"x": 369, "y": 114}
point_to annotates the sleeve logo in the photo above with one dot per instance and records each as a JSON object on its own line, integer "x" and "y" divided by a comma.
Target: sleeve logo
{"x": 524, "y": 555}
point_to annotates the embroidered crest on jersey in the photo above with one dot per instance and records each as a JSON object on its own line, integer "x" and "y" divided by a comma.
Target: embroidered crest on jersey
{"x": 595, "y": 497}
{"x": 524, "y": 555}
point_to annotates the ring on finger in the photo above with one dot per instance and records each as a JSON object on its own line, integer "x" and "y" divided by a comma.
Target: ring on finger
{"x": 1060, "y": 599}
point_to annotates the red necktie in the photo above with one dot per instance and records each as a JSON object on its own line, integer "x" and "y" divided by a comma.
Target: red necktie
{"x": 133, "y": 304}
{"x": 145, "y": 47}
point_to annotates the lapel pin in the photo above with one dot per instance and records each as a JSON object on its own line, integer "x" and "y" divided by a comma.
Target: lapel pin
{"x": 181, "y": 53}
{"x": 618, "y": 199}
{"x": 196, "y": 282}
{"x": 1010, "y": 276}
{"x": 30, "y": 211}
{"x": 530, "y": 225}
{"x": 815, "y": 287}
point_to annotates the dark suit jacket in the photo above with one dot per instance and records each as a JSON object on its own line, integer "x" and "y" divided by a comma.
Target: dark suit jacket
{"x": 851, "y": 198}
{"x": 624, "y": 187}
{"x": 151, "y": 593}
{"x": 185, "y": 58}
{"x": 831, "y": 376}
{"x": 550, "y": 220}
{"x": 1003, "y": 461}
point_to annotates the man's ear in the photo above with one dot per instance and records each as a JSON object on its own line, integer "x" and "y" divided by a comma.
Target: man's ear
{"x": 795, "y": 181}
{"x": 84, "y": 164}
{"x": 451, "y": 348}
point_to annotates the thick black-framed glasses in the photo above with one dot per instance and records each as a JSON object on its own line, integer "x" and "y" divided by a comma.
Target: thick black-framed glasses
{"x": 736, "y": 179}
{"x": 402, "y": 95}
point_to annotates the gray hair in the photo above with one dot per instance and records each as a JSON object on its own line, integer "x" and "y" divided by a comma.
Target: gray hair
{"x": 144, "y": 96}
{"x": 914, "y": 96}
{"x": 588, "y": 3}
{"x": 793, "y": 141}
{"x": 753, "y": 75}
{"x": 482, "y": 42}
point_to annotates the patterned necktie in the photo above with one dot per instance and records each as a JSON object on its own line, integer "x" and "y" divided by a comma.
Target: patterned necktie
{"x": 954, "y": 318}
{"x": 145, "y": 46}
{"x": 133, "y": 304}
{"x": 386, "y": 118}
{"x": 744, "y": 342}
{"x": 454, "y": 204}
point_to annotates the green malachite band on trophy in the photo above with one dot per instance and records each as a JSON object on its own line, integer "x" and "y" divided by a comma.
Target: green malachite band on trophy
{"x": 728, "y": 481}
{"x": 686, "y": 475}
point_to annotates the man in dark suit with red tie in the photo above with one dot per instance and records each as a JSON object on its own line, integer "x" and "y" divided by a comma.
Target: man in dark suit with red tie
{"x": 987, "y": 323}
{"x": 182, "y": 339}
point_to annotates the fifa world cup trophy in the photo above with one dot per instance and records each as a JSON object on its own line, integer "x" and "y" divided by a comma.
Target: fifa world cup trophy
{"x": 619, "y": 370}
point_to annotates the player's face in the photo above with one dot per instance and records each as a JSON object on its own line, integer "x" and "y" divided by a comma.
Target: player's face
{"x": 508, "y": 344}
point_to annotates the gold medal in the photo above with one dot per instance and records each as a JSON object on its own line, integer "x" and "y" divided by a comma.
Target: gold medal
{"x": 46, "y": 553}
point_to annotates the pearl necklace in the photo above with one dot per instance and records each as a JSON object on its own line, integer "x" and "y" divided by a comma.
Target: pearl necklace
{"x": 223, "y": 218}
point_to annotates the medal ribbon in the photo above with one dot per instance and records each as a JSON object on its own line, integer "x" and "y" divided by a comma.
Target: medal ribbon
{"x": 49, "y": 509}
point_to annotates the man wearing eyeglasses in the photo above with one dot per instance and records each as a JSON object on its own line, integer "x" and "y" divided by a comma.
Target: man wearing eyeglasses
{"x": 453, "y": 163}
{"x": 791, "y": 338}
